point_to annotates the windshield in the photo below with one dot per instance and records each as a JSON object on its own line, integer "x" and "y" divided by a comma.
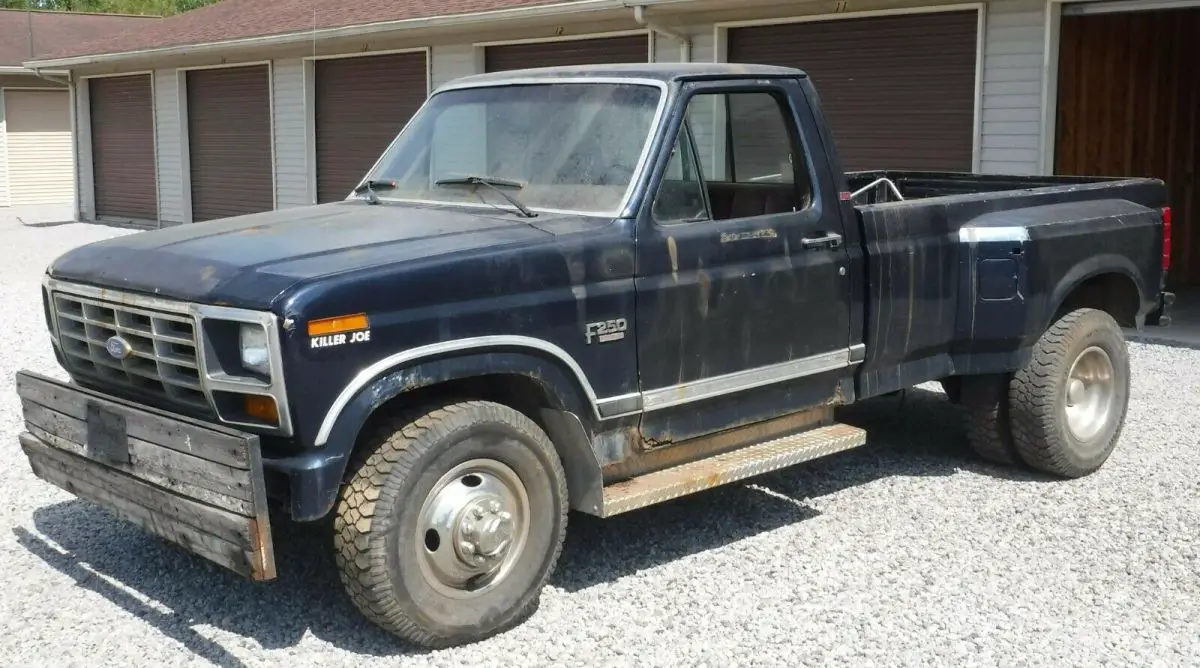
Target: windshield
{"x": 567, "y": 146}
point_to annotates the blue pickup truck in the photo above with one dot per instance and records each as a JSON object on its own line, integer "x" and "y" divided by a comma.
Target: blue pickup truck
{"x": 591, "y": 289}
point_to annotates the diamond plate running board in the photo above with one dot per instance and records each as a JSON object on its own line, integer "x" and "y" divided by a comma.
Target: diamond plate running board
{"x": 697, "y": 476}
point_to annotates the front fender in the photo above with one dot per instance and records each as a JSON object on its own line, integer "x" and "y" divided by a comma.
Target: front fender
{"x": 316, "y": 476}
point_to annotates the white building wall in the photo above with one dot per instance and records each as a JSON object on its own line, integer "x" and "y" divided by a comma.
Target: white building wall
{"x": 85, "y": 194}
{"x": 14, "y": 81}
{"x": 451, "y": 61}
{"x": 290, "y": 125}
{"x": 1012, "y": 77}
{"x": 4, "y": 201}
{"x": 1013, "y": 57}
{"x": 169, "y": 140}
{"x": 1010, "y": 105}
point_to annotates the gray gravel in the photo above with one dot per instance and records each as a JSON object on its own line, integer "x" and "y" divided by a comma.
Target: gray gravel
{"x": 905, "y": 552}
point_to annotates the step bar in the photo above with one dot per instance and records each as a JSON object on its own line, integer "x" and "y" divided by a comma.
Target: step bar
{"x": 740, "y": 464}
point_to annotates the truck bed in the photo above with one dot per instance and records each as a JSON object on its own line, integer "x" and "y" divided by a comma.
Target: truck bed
{"x": 958, "y": 273}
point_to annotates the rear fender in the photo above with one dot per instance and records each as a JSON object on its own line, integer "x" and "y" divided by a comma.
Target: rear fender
{"x": 1085, "y": 271}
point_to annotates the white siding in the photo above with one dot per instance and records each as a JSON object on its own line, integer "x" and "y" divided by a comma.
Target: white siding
{"x": 667, "y": 49}
{"x": 1012, "y": 86}
{"x": 40, "y": 159}
{"x": 85, "y": 192}
{"x": 3, "y": 154}
{"x": 452, "y": 61}
{"x": 169, "y": 144}
{"x": 13, "y": 81}
{"x": 291, "y": 134}
{"x": 1010, "y": 107}
{"x": 705, "y": 117}
{"x": 453, "y": 152}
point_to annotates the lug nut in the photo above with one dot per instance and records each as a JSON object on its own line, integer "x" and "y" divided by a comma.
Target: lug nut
{"x": 467, "y": 547}
{"x": 494, "y": 506}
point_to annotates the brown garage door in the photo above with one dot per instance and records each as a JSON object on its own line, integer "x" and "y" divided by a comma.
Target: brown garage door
{"x": 600, "y": 50}
{"x": 361, "y": 103}
{"x": 899, "y": 91}
{"x": 122, "y": 112}
{"x": 229, "y": 138}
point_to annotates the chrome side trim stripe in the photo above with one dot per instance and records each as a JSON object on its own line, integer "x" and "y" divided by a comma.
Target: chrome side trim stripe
{"x": 625, "y": 404}
{"x": 746, "y": 380}
{"x": 858, "y": 353}
{"x": 368, "y": 374}
{"x": 609, "y": 407}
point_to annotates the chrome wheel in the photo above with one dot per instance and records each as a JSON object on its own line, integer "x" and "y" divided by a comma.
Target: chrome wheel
{"x": 472, "y": 528}
{"x": 1091, "y": 393}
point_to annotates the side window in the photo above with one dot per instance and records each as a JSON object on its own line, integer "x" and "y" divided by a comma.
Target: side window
{"x": 752, "y": 158}
{"x": 760, "y": 146}
{"x": 680, "y": 196}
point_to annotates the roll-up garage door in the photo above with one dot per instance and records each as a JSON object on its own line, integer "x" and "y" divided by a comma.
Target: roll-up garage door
{"x": 41, "y": 169}
{"x": 361, "y": 104}
{"x": 122, "y": 113}
{"x": 229, "y": 140}
{"x": 622, "y": 49}
{"x": 898, "y": 91}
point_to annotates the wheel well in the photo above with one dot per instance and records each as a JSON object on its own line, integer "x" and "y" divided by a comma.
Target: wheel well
{"x": 518, "y": 392}
{"x": 1113, "y": 293}
{"x": 522, "y": 393}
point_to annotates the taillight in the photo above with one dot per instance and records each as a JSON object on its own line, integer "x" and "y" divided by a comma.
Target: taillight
{"x": 1166, "y": 258}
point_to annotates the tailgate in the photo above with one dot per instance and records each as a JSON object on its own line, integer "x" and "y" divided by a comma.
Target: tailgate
{"x": 195, "y": 484}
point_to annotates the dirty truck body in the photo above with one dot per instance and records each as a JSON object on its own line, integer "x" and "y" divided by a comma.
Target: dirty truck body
{"x": 592, "y": 288}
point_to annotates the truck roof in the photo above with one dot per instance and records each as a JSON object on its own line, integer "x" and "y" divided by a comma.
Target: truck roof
{"x": 665, "y": 72}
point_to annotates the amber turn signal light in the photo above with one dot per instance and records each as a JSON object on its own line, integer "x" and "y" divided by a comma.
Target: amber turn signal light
{"x": 337, "y": 325}
{"x": 262, "y": 408}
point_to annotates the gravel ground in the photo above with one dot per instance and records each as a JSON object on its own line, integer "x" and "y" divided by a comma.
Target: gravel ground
{"x": 904, "y": 552}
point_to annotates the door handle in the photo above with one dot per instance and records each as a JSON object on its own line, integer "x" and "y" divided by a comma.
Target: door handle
{"x": 832, "y": 240}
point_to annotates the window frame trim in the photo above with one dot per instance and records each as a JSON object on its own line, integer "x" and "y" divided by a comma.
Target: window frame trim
{"x": 685, "y": 129}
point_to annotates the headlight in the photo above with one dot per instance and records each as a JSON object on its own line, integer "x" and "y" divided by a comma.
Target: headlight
{"x": 253, "y": 345}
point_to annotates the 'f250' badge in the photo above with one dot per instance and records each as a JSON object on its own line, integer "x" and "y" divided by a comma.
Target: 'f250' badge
{"x": 605, "y": 330}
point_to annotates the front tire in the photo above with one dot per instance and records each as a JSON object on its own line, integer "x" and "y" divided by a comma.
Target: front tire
{"x": 1067, "y": 406}
{"x": 450, "y": 528}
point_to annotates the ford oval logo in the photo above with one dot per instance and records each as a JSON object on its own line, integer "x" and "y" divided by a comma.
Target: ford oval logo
{"x": 118, "y": 348}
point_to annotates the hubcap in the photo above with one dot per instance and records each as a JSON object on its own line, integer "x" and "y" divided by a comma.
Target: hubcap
{"x": 1091, "y": 393}
{"x": 472, "y": 528}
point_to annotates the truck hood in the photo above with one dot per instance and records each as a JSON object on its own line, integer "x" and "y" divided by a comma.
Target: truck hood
{"x": 250, "y": 260}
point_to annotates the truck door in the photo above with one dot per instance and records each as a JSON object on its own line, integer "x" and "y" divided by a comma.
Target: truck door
{"x": 743, "y": 296}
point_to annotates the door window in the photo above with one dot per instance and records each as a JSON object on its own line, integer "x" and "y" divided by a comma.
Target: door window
{"x": 749, "y": 155}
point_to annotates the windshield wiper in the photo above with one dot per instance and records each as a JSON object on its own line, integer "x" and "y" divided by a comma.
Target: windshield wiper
{"x": 495, "y": 184}
{"x": 369, "y": 188}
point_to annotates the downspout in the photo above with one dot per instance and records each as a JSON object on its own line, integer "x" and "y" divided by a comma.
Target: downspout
{"x": 639, "y": 15}
{"x": 74, "y": 102}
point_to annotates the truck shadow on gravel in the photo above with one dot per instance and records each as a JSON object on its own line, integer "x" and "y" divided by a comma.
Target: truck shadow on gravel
{"x": 175, "y": 592}
{"x": 918, "y": 433}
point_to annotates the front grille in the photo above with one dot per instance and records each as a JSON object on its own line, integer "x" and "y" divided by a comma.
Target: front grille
{"x": 163, "y": 363}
